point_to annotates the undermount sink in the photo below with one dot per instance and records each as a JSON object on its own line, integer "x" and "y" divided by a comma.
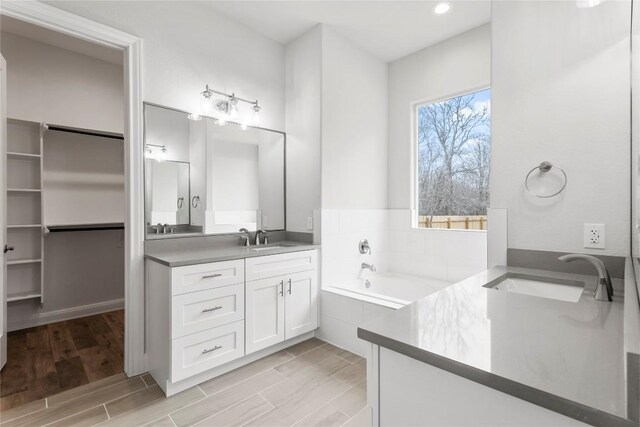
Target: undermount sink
{"x": 538, "y": 286}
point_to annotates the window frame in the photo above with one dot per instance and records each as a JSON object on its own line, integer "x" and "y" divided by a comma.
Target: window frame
{"x": 413, "y": 185}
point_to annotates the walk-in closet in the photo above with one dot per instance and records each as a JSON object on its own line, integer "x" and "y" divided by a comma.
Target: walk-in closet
{"x": 65, "y": 209}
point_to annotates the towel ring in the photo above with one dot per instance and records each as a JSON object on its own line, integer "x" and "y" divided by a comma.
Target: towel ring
{"x": 545, "y": 167}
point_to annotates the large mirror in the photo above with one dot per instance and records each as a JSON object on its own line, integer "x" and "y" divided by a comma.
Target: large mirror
{"x": 210, "y": 177}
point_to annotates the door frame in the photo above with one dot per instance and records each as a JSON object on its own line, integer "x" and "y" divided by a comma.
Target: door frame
{"x": 55, "y": 19}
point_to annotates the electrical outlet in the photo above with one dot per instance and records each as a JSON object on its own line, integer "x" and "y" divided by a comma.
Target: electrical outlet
{"x": 264, "y": 221}
{"x": 594, "y": 236}
{"x": 310, "y": 223}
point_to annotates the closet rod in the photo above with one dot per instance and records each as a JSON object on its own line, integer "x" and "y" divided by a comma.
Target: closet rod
{"x": 84, "y": 227}
{"x": 102, "y": 134}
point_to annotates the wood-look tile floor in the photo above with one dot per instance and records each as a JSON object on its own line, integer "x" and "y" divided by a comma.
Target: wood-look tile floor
{"x": 50, "y": 359}
{"x": 309, "y": 384}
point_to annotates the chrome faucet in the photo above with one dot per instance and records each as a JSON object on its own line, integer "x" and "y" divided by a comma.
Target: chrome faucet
{"x": 245, "y": 239}
{"x": 366, "y": 266}
{"x": 266, "y": 237}
{"x": 604, "y": 290}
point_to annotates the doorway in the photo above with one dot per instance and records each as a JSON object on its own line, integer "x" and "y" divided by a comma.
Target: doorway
{"x": 85, "y": 326}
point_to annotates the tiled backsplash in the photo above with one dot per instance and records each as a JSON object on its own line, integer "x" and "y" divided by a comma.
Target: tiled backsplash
{"x": 396, "y": 246}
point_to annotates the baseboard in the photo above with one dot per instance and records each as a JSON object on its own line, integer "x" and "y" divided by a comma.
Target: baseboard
{"x": 40, "y": 319}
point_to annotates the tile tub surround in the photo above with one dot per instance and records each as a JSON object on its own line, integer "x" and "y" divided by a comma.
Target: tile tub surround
{"x": 450, "y": 255}
{"x": 310, "y": 383}
{"x": 396, "y": 246}
{"x": 572, "y": 361}
{"x": 181, "y": 257}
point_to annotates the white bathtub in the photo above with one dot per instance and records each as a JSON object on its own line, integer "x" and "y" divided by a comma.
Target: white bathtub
{"x": 345, "y": 306}
{"x": 391, "y": 290}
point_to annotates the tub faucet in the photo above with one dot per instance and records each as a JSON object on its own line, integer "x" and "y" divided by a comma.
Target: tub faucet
{"x": 604, "y": 290}
{"x": 366, "y": 266}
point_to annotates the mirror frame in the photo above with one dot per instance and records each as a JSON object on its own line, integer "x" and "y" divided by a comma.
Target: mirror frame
{"x": 146, "y": 104}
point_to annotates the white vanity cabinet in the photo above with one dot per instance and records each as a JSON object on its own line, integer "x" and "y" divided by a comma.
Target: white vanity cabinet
{"x": 202, "y": 317}
{"x": 282, "y": 298}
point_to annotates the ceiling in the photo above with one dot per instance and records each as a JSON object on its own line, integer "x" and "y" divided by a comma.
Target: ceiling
{"x": 63, "y": 41}
{"x": 388, "y": 29}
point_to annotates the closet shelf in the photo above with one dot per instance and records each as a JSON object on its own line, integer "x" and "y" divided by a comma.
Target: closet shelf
{"x": 27, "y": 156}
{"x": 20, "y": 296}
{"x": 23, "y": 261}
{"x": 85, "y": 227}
{"x": 23, "y": 190}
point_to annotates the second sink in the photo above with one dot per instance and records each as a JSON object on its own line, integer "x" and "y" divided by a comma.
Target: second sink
{"x": 539, "y": 286}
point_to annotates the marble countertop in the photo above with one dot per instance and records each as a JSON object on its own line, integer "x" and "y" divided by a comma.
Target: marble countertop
{"x": 565, "y": 356}
{"x": 179, "y": 258}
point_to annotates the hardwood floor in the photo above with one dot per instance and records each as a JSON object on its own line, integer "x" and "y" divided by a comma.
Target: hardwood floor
{"x": 310, "y": 384}
{"x": 50, "y": 359}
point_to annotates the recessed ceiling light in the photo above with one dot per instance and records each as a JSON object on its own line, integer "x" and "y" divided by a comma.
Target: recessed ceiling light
{"x": 441, "y": 8}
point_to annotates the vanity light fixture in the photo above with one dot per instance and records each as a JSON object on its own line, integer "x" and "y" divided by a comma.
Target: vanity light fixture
{"x": 441, "y": 8}
{"x": 226, "y": 109}
{"x": 161, "y": 156}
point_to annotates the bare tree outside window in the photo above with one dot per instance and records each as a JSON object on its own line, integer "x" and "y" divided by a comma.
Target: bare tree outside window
{"x": 454, "y": 147}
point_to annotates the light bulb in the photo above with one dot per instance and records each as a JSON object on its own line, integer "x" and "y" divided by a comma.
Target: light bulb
{"x": 221, "y": 122}
{"x": 195, "y": 117}
{"x": 441, "y": 8}
{"x": 256, "y": 114}
{"x": 162, "y": 155}
{"x": 243, "y": 126}
{"x": 206, "y": 102}
{"x": 232, "y": 107}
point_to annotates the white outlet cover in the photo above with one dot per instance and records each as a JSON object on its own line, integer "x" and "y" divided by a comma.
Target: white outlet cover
{"x": 594, "y": 236}
{"x": 310, "y": 223}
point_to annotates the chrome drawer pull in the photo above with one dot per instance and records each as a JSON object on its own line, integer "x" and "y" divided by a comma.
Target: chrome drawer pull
{"x": 211, "y": 276}
{"x": 206, "y": 310}
{"x": 289, "y": 286}
{"x": 282, "y": 287}
{"x": 209, "y": 350}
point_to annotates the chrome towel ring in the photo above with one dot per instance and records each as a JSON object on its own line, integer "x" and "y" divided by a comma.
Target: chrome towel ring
{"x": 543, "y": 168}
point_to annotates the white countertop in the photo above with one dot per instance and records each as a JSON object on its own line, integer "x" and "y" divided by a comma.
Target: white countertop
{"x": 573, "y": 350}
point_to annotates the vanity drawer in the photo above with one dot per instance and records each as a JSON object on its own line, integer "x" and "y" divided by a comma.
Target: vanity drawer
{"x": 198, "y": 277}
{"x": 279, "y": 265}
{"x": 198, "y": 311}
{"x": 202, "y": 351}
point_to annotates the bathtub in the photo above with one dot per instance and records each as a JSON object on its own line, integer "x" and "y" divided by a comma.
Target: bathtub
{"x": 391, "y": 290}
{"x": 345, "y": 306}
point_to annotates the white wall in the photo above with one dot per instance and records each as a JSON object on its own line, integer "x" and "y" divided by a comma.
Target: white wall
{"x": 561, "y": 93}
{"x": 459, "y": 64}
{"x": 303, "y": 126}
{"x": 189, "y": 44}
{"x": 57, "y": 86}
{"x": 354, "y": 126}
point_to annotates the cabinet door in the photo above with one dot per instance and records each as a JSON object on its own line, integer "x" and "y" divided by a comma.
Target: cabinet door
{"x": 301, "y": 311}
{"x": 264, "y": 313}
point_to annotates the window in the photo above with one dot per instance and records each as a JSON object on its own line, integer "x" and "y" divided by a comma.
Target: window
{"x": 453, "y": 153}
